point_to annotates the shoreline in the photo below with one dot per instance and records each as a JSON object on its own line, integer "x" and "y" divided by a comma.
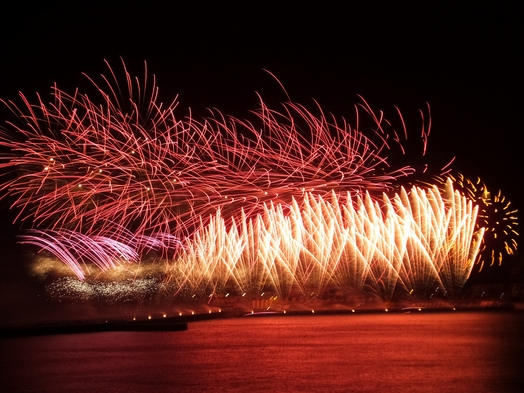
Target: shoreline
{"x": 181, "y": 322}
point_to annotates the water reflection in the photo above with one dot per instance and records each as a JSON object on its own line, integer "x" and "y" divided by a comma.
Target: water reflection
{"x": 456, "y": 352}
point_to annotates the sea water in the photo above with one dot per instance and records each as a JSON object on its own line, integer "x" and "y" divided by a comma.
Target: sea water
{"x": 415, "y": 352}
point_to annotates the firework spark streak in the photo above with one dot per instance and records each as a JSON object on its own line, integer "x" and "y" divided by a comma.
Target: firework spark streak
{"x": 496, "y": 215}
{"x": 303, "y": 195}
{"x": 103, "y": 169}
{"x": 414, "y": 241}
{"x": 411, "y": 243}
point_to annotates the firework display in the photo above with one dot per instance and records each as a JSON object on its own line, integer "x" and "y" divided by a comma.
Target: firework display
{"x": 103, "y": 169}
{"x": 495, "y": 215}
{"x": 288, "y": 201}
{"x": 413, "y": 242}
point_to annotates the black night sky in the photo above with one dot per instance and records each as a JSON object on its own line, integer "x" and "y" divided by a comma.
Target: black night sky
{"x": 465, "y": 61}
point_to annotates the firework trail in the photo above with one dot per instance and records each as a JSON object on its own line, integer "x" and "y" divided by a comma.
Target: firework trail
{"x": 409, "y": 244}
{"x": 132, "y": 164}
{"x": 304, "y": 195}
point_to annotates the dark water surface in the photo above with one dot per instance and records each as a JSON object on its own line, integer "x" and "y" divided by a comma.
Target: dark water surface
{"x": 448, "y": 352}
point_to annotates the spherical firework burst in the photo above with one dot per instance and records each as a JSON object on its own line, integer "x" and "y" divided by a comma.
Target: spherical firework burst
{"x": 496, "y": 215}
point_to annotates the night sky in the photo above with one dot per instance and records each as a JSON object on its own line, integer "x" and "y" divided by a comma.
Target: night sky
{"x": 465, "y": 61}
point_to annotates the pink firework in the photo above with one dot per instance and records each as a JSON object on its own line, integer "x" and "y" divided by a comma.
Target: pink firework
{"x": 115, "y": 166}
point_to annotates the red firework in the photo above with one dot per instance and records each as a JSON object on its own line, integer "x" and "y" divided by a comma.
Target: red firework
{"x": 98, "y": 167}
{"x": 133, "y": 171}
